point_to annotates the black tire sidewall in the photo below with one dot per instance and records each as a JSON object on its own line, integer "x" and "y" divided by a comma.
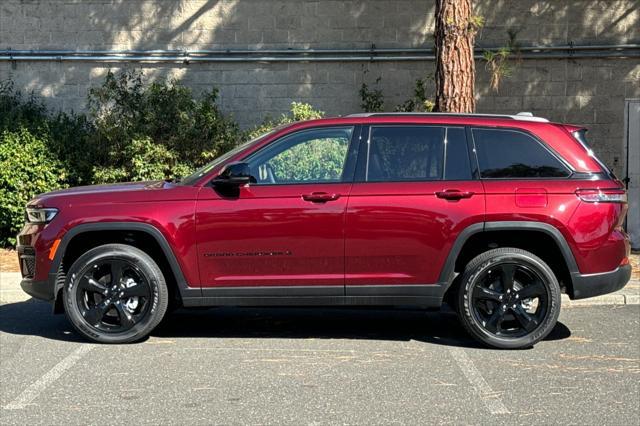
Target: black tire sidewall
{"x": 489, "y": 259}
{"x": 147, "y": 266}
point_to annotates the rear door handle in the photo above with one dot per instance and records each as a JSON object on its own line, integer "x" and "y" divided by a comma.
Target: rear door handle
{"x": 454, "y": 194}
{"x": 320, "y": 197}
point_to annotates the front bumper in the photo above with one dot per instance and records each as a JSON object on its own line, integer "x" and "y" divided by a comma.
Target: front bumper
{"x": 596, "y": 284}
{"x": 43, "y": 290}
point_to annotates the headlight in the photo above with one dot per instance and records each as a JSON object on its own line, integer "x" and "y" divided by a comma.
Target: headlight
{"x": 35, "y": 215}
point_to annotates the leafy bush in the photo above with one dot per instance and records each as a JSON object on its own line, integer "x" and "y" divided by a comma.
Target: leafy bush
{"x": 27, "y": 168}
{"x": 372, "y": 100}
{"x": 144, "y": 160}
{"x": 300, "y": 111}
{"x": 161, "y": 123}
{"x": 133, "y": 131}
{"x": 420, "y": 101}
{"x": 67, "y": 135}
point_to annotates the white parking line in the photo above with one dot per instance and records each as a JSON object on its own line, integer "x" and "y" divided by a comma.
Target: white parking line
{"x": 37, "y": 387}
{"x": 490, "y": 398}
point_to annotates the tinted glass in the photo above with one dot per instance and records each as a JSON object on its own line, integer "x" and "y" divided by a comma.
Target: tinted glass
{"x": 306, "y": 157}
{"x": 513, "y": 154}
{"x": 418, "y": 153}
{"x": 457, "y": 165}
{"x": 399, "y": 153}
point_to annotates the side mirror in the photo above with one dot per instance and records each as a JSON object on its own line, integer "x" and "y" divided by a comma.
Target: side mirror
{"x": 235, "y": 174}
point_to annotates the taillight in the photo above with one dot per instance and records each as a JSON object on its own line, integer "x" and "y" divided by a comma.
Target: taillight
{"x": 602, "y": 195}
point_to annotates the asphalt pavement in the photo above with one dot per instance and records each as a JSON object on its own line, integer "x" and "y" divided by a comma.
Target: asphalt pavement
{"x": 319, "y": 366}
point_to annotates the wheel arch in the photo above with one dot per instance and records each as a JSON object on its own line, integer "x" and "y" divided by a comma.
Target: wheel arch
{"x": 142, "y": 235}
{"x": 469, "y": 244}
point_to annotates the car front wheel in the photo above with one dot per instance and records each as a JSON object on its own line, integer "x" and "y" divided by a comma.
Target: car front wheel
{"x": 115, "y": 293}
{"x": 508, "y": 298}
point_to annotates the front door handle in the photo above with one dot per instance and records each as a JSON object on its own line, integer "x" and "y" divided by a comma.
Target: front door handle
{"x": 320, "y": 197}
{"x": 454, "y": 194}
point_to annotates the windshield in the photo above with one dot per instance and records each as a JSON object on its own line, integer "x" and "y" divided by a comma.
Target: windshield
{"x": 195, "y": 176}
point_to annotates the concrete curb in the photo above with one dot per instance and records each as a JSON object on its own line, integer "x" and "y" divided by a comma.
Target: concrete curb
{"x": 10, "y": 292}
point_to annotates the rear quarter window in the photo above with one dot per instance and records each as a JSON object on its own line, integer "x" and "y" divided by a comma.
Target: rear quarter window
{"x": 504, "y": 153}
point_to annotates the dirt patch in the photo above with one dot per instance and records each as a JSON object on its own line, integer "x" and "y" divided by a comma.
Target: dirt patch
{"x": 9, "y": 261}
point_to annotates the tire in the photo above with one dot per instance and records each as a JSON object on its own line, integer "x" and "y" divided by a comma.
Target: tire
{"x": 115, "y": 293}
{"x": 503, "y": 312}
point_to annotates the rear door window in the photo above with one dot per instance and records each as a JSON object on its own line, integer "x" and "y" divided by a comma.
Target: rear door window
{"x": 417, "y": 153}
{"x": 504, "y": 153}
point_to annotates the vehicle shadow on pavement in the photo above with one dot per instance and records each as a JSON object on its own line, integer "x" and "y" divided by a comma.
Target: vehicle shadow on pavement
{"x": 442, "y": 328}
{"x": 36, "y": 318}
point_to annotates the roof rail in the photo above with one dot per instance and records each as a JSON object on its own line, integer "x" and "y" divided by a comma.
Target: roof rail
{"x": 522, "y": 116}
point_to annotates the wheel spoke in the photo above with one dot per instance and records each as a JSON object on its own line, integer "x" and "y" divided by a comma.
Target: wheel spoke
{"x": 532, "y": 290}
{"x": 527, "y": 321}
{"x": 506, "y": 276}
{"x": 117, "y": 271}
{"x": 126, "y": 319}
{"x": 483, "y": 293}
{"x": 493, "y": 323}
{"x": 90, "y": 284}
{"x": 94, "y": 314}
{"x": 140, "y": 290}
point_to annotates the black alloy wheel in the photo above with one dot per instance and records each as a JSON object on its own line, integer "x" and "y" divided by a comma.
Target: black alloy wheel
{"x": 115, "y": 293}
{"x": 508, "y": 298}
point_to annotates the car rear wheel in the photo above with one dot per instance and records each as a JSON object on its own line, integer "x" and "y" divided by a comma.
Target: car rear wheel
{"x": 115, "y": 293}
{"x": 508, "y": 298}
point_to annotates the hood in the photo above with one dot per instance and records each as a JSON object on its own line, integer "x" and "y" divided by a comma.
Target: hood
{"x": 112, "y": 187}
{"x": 117, "y": 192}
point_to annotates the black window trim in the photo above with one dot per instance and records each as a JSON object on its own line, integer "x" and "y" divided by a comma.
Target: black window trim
{"x": 555, "y": 155}
{"x": 352, "y": 155}
{"x": 365, "y": 142}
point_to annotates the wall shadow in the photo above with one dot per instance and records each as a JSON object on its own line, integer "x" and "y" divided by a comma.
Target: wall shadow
{"x": 587, "y": 92}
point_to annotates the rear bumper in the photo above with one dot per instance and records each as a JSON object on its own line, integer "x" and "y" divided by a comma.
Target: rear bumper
{"x": 43, "y": 290}
{"x": 591, "y": 285}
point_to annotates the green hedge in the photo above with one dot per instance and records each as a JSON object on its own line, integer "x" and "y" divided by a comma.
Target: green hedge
{"x": 27, "y": 168}
{"x": 132, "y": 131}
{"x": 160, "y": 124}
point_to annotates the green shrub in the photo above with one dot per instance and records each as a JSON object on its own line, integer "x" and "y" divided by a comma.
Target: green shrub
{"x": 420, "y": 101}
{"x": 27, "y": 168}
{"x": 187, "y": 131}
{"x": 67, "y": 135}
{"x": 299, "y": 111}
{"x": 133, "y": 132}
{"x": 372, "y": 100}
{"x": 144, "y": 160}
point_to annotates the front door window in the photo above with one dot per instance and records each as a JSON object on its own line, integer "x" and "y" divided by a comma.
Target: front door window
{"x": 314, "y": 156}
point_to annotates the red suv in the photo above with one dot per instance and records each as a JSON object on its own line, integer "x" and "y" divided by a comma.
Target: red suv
{"x": 496, "y": 215}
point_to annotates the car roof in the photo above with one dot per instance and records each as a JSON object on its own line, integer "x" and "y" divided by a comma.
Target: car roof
{"x": 522, "y": 116}
{"x": 522, "y": 121}
{"x": 553, "y": 134}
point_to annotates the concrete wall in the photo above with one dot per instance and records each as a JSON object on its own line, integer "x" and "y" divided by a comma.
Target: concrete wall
{"x": 589, "y": 92}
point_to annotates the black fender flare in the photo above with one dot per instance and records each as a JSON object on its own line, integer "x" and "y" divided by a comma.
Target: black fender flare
{"x": 447, "y": 274}
{"x": 183, "y": 287}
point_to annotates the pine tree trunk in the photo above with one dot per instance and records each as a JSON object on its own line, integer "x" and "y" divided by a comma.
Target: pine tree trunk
{"x": 455, "y": 68}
